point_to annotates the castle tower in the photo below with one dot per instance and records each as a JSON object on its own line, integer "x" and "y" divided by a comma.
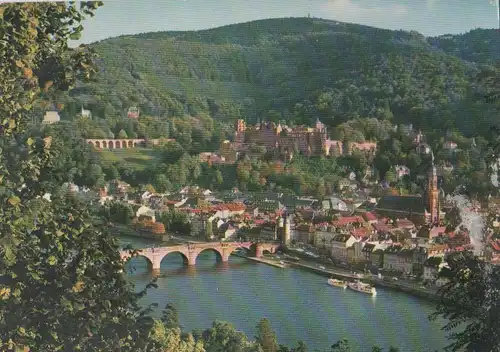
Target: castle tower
{"x": 239, "y": 132}
{"x": 433, "y": 193}
{"x": 240, "y": 125}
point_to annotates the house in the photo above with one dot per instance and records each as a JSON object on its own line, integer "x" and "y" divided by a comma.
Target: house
{"x": 355, "y": 253}
{"x": 450, "y": 146}
{"x": 86, "y": 113}
{"x": 423, "y": 148}
{"x": 322, "y": 239}
{"x": 368, "y": 250}
{"x": 431, "y": 232}
{"x": 339, "y": 246}
{"x": 391, "y": 258}
{"x": 304, "y": 233}
{"x": 343, "y": 184}
{"x": 401, "y": 171}
{"x": 366, "y": 147}
{"x": 269, "y": 231}
{"x": 145, "y": 212}
{"x": 493, "y": 252}
{"x": 377, "y": 258}
{"x": 405, "y": 224}
{"x": 51, "y": 117}
{"x": 349, "y": 220}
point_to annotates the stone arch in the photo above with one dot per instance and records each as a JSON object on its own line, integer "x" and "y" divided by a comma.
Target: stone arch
{"x": 247, "y": 250}
{"x": 110, "y": 145}
{"x": 130, "y": 144}
{"x": 124, "y": 144}
{"x": 217, "y": 252}
{"x": 97, "y": 144}
{"x": 185, "y": 259}
{"x": 128, "y": 259}
{"x": 117, "y": 144}
{"x": 91, "y": 143}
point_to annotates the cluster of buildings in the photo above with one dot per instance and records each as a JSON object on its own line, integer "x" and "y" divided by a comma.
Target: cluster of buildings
{"x": 287, "y": 141}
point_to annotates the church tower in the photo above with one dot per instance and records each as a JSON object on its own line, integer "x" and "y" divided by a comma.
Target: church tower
{"x": 433, "y": 194}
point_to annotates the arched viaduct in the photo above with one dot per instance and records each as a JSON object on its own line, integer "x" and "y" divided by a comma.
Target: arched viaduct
{"x": 116, "y": 143}
{"x": 191, "y": 251}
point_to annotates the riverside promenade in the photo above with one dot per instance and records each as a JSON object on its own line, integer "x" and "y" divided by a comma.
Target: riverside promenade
{"x": 408, "y": 287}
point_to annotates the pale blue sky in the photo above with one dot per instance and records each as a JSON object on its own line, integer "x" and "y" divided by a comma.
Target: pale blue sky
{"x": 430, "y": 17}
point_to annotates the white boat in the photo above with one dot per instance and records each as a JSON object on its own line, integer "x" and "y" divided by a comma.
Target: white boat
{"x": 361, "y": 287}
{"x": 337, "y": 283}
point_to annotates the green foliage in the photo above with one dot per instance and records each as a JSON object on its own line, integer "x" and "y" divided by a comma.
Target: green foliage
{"x": 170, "y": 317}
{"x": 175, "y": 222}
{"x": 266, "y": 337}
{"x": 256, "y": 70}
{"x": 470, "y": 303}
{"x": 59, "y": 268}
{"x": 118, "y": 212}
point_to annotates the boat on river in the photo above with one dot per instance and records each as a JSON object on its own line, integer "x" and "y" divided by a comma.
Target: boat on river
{"x": 337, "y": 283}
{"x": 362, "y": 287}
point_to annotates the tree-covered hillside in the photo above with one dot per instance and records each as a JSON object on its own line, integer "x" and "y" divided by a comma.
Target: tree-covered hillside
{"x": 479, "y": 45}
{"x": 294, "y": 69}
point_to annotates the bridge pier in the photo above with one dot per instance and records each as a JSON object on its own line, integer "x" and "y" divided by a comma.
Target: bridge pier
{"x": 259, "y": 251}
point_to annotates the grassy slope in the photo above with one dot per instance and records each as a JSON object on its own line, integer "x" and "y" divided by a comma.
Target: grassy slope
{"x": 135, "y": 159}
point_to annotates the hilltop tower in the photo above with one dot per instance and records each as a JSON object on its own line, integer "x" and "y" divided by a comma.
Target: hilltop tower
{"x": 433, "y": 193}
{"x": 239, "y": 132}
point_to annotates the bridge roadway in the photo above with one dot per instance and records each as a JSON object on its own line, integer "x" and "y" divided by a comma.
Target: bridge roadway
{"x": 190, "y": 251}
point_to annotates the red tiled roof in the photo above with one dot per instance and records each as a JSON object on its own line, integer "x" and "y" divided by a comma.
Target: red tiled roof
{"x": 496, "y": 245}
{"x": 405, "y": 223}
{"x": 348, "y": 220}
{"x": 361, "y": 232}
{"x": 380, "y": 226}
{"x": 369, "y": 216}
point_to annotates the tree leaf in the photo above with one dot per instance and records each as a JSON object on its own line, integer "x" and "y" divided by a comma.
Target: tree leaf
{"x": 52, "y": 260}
{"x": 75, "y": 35}
{"x": 14, "y": 200}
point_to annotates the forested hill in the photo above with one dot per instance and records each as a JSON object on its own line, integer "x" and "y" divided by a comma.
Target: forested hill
{"x": 293, "y": 68}
{"x": 479, "y": 45}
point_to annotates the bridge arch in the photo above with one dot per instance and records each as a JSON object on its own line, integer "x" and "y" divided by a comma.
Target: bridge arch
{"x": 135, "y": 263}
{"x": 173, "y": 254}
{"x": 218, "y": 254}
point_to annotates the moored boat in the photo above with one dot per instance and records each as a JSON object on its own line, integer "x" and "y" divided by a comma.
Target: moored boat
{"x": 337, "y": 283}
{"x": 361, "y": 287}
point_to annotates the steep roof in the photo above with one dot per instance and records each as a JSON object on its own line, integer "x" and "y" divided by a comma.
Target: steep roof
{"x": 409, "y": 204}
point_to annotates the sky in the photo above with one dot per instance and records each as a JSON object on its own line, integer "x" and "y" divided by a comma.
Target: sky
{"x": 429, "y": 17}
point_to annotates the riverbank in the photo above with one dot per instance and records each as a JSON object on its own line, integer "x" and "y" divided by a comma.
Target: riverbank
{"x": 409, "y": 288}
{"x": 263, "y": 261}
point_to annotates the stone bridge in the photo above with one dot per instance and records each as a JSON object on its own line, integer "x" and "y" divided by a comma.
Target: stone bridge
{"x": 191, "y": 251}
{"x": 116, "y": 143}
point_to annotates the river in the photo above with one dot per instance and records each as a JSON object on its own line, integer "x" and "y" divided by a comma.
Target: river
{"x": 299, "y": 304}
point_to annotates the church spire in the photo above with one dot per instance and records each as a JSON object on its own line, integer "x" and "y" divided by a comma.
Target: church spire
{"x": 433, "y": 193}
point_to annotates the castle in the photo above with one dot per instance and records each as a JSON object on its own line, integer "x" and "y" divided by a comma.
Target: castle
{"x": 310, "y": 141}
